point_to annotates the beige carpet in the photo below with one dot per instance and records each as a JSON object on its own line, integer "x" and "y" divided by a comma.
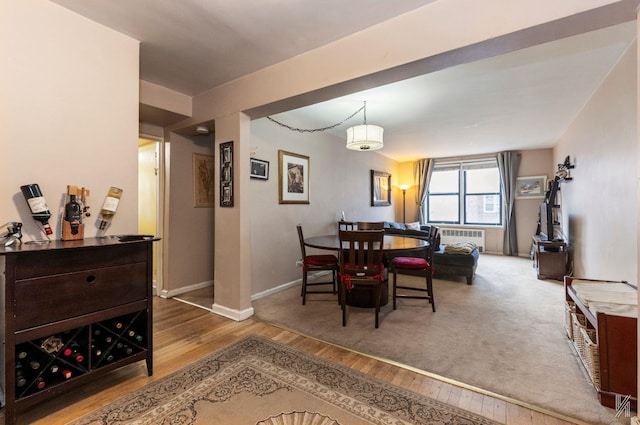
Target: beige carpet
{"x": 504, "y": 334}
{"x": 259, "y": 381}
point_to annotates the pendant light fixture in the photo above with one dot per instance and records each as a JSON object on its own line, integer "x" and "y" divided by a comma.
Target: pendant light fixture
{"x": 365, "y": 137}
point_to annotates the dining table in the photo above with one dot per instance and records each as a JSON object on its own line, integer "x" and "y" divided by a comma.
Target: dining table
{"x": 392, "y": 245}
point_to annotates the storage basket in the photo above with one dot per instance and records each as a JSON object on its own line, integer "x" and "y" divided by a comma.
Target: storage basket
{"x": 578, "y": 322}
{"x": 591, "y": 357}
{"x": 569, "y": 308}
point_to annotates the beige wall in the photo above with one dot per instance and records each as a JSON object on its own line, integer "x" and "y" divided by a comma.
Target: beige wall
{"x": 69, "y": 109}
{"x": 538, "y": 162}
{"x": 598, "y": 206}
{"x": 339, "y": 181}
{"x": 189, "y": 238}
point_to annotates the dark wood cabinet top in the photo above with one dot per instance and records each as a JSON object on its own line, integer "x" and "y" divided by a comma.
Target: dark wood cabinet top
{"x": 82, "y": 243}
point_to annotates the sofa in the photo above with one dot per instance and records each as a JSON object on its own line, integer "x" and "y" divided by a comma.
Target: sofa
{"x": 448, "y": 260}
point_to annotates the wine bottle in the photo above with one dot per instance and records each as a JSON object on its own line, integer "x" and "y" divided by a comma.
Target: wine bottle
{"x": 21, "y": 380}
{"x": 110, "y": 206}
{"x": 40, "y": 383}
{"x": 37, "y": 205}
{"x": 73, "y": 214}
{"x": 135, "y": 335}
{"x": 97, "y": 352}
{"x": 73, "y": 351}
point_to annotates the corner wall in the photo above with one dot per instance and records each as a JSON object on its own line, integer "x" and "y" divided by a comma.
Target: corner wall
{"x": 599, "y": 204}
{"x": 69, "y": 109}
{"x": 189, "y": 263}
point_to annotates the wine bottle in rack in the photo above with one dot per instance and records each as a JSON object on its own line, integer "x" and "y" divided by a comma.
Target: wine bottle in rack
{"x": 37, "y": 205}
{"x": 21, "y": 379}
{"x": 73, "y": 214}
{"x": 40, "y": 383}
{"x": 110, "y": 206}
{"x": 73, "y": 351}
{"x": 136, "y": 336}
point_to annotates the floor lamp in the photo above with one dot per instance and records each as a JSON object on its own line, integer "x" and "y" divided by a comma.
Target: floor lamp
{"x": 404, "y": 188}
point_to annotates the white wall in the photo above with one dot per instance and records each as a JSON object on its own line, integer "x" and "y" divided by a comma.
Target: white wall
{"x": 69, "y": 109}
{"x": 599, "y": 205}
{"x": 339, "y": 181}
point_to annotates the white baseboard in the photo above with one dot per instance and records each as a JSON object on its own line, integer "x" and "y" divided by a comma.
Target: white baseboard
{"x": 174, "y": 292}
{"x": 237, "y": 315}
{"x": 311, "y": 277}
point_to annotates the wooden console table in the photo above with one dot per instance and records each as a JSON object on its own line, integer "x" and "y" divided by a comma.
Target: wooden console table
{"x": 606, "y": 341}
{"x": 72, "y": 312}
{"x": 550, "y": 258}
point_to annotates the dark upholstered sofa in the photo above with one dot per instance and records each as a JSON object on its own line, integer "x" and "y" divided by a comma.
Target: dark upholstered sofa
{"x": 444, "y": 263}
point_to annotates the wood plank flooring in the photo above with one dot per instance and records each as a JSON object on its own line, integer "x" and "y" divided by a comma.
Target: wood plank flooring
{"x": 184, "y": 333}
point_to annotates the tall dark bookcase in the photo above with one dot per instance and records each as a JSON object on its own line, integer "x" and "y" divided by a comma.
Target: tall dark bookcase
{"x": 80, "y": 307}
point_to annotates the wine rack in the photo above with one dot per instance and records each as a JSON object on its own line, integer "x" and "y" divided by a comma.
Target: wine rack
{"x": 73, "y": 311}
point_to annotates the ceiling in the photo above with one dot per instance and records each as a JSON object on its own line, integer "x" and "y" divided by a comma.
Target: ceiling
{"x": 520, "y": 100}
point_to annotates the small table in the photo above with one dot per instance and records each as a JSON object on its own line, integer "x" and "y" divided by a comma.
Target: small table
{"x": 391, "y": 243}
{"x": 550, "y": 258}
{"x": 363, "y": 296}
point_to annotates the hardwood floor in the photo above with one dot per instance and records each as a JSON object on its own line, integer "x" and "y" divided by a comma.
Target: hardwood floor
{"x": 184, "y": 333}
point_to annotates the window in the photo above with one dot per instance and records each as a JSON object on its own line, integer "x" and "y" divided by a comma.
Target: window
{"x": 465, "y": 192}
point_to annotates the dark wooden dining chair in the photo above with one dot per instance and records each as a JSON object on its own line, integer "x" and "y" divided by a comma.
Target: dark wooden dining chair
{"x": 361, "y": 265}
{"x": 316, "y": 263}
{"x": 370, "y": 225}
{"x": 347, "y": 225}
{"x": 415, "y": 265}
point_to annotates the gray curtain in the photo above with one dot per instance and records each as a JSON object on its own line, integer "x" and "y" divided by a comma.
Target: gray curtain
{"x": 508, "y": 163}
{"x": 421, "y": 174}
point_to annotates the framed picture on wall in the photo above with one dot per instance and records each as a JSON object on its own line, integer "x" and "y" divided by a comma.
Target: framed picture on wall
{"x": 202, "y": 180}
{"x": 293, "y": 178}
{"x": 226, "y": 174}
{"x": 531, "y": 187}
{"x": 380, "y": 189}
{"x": 259, "y": 169}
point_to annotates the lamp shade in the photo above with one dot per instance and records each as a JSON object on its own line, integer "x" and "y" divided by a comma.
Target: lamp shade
{"x": 364, "y": 137}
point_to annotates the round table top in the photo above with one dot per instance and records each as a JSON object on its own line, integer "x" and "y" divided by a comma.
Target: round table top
{"x": 390, "y": 243}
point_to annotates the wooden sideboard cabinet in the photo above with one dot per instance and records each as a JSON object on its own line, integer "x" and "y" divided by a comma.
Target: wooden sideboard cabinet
{"x": 72, "y": 312}
{"x": 606, "y": 340}
{"x": 550, "y": 258}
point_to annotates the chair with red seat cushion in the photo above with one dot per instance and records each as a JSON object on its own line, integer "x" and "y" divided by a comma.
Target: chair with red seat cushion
{"x": 416, "y": 263}
{"x": 314, "y": 263}
{"x": 361, "y": 265}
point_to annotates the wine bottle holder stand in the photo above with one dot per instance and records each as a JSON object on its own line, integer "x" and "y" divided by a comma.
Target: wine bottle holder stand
{"x": 113, "y": 340}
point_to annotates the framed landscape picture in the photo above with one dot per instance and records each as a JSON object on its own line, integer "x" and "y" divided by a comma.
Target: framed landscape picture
{"x": 293, "y": 178}
{"x": 531, "y": 187}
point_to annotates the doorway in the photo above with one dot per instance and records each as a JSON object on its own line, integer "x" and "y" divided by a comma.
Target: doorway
{"x": 149, "y": 190}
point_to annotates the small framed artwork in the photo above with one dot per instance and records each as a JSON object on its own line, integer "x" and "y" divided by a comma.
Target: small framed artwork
{"x": 259, "y": 169}
{"x": 531, "y": 187}
{"x": 202, "y": 180}
{"x": 226, "y": 174}
{"x": 380, "y": 189}
{"x": 293, "y": 178}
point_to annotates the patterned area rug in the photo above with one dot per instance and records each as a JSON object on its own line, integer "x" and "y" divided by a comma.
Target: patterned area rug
{"x": 258, "y": 381}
